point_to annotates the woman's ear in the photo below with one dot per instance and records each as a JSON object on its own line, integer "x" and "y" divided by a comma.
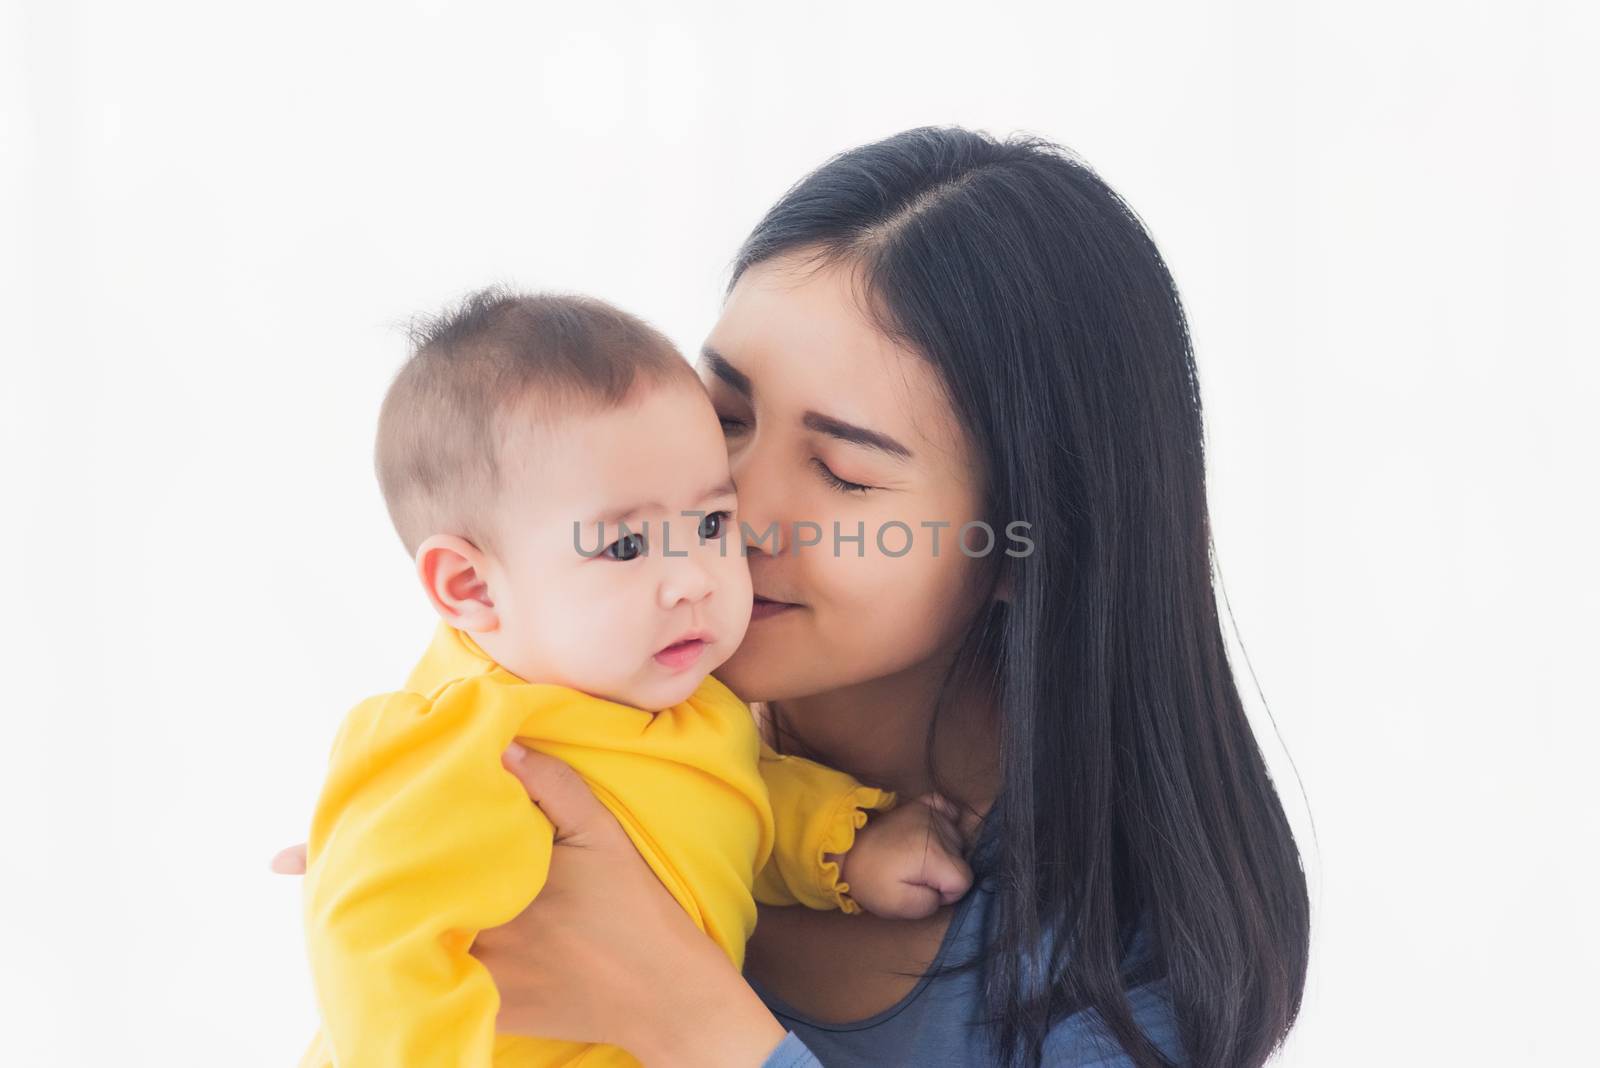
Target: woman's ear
{"x": 454, "y": 575}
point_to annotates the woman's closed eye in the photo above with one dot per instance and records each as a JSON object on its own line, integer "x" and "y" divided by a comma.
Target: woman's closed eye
{"x": 731, "y": 426}
{"x": 835, "y": 481}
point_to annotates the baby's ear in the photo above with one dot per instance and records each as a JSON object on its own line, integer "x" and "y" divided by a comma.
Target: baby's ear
{"x": 454, "y": 575}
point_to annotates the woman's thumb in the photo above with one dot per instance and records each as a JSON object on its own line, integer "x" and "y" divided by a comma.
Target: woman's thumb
{"x": 560, "y": 793}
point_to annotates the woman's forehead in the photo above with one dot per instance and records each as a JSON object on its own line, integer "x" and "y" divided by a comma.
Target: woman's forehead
{"x": 802, "y": 339}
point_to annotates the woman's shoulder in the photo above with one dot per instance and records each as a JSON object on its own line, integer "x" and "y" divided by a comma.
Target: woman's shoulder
{"x": 1082, "y": 1041}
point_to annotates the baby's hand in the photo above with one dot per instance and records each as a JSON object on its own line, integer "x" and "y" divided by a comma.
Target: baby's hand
{"x": 907, "y": 862}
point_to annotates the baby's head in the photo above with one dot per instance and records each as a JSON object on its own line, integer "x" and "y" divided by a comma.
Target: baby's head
{"x": 520, "y": 435}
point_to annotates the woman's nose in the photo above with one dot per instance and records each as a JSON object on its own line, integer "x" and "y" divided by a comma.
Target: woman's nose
{"x": 763, "y": 516}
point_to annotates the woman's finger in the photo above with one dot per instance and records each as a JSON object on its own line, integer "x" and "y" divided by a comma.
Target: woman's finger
{"x": 291, "y": 861}
{"x": 560, "y": 793}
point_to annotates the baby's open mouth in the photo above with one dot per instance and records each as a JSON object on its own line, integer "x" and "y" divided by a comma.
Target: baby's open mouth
{"x": 681, "y": 654}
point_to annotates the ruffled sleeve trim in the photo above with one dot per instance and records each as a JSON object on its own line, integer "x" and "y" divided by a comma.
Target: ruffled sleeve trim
{"x": 839, "y": 835}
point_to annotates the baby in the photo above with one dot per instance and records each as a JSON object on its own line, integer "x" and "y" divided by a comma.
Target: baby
{"x": 557, "y": 473}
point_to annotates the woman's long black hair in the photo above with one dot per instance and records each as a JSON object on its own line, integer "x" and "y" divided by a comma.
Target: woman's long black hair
{"x": 1133, "y": 789}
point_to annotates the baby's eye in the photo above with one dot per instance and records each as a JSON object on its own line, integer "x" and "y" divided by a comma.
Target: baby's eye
{"x": 626, "y": 547}
{"x": 711, "y": 524}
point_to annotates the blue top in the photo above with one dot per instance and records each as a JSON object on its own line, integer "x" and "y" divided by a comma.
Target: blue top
{"x": 934, "y": 1026}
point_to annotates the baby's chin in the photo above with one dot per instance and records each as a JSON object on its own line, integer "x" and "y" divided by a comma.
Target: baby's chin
{"x": 656, "y": 698}
{"x": 657, "y": 688}
{"x": 653, "y": 695}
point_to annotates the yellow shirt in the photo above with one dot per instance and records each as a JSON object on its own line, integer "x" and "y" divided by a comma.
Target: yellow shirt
{"x": 421, "y": 839}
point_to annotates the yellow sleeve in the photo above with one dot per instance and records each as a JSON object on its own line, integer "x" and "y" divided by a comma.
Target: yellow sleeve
{"x": 420, "y": 840}
{"x": 815, "y": 811}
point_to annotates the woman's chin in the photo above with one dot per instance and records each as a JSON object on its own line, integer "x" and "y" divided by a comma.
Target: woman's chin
{"x": 754, "y": 674}
{"x": 762, "y": 677}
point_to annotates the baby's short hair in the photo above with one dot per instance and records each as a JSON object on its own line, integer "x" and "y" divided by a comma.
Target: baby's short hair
{"x": 443, "y": 420}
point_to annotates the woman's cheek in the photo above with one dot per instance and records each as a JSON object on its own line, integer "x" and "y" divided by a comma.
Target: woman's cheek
{"x": 888, "y": 612}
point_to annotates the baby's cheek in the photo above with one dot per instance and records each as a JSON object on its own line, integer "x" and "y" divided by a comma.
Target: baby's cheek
{"x": 734, "y": 597}
{"x": 541, "y": 636}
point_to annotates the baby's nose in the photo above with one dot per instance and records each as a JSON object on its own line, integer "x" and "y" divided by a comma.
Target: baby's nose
{"x": 685, "y": 580}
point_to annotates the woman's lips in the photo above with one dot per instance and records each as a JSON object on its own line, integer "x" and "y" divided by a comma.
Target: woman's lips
{"x": 765, "y": 609}
{"x": 682, "y": 654}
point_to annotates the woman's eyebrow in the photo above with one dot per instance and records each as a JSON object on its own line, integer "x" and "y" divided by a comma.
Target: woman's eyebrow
{"x": 727, "y": 372}
{"x": 822, "y": 424}
{"x": 855, "y": 435}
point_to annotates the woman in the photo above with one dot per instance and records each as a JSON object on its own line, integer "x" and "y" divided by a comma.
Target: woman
{"x": 927, "y": 332}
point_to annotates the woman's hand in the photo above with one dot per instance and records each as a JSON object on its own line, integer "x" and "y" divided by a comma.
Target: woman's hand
{"x": 604, "y": 953}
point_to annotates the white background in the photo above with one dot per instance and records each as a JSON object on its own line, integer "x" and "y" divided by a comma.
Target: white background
{"x": 213, "y": 217}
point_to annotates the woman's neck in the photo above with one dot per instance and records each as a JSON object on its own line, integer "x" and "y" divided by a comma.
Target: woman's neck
{"x": 878, "y": 732}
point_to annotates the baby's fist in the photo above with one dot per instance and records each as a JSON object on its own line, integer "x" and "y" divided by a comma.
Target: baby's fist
{"x": 907, "y": 862}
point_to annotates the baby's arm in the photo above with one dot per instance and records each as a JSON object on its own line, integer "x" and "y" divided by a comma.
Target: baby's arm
{"x": 839, "y": 844}
{"x": 816, "y": 812}
{"x": 420, "y": 840}
{"x": 906, "y": 863}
